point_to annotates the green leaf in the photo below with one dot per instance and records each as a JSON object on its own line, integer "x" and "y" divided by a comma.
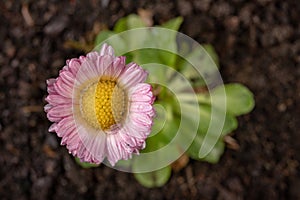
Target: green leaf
{"x": 112, "y": 39}
{"x": 121, "y": 25}
{"x": 216, "y": 153}
{"x": 166, "y": 134}
{"x": 162, "y": 45}
{"x": 144, "y": 56}
{"x": 159, "y": 42}
{"x": 130, "y": 22}
{"x": 207, "y": 120}
{"x": 167, "y": 42}
{"x": 124, "y": 165}
{"x": 167, "y": 46}
{"x": 85, "y": 164}
{"x": 131, "y": 39}
{"x": 154, "y": 179}
{"x": 161, "y": 148}
{"x": 211, "y": 52}
{"x": 199, "y": 64}
{"x": 212, "y": 157}
{"x": 239, "y": 99}
{"x": 159, "y": 120}
{"x": 157, "y": 73}
{"x": 135, "y": 21}
{"x": 173, "y": 24}
{"x": 103, "y": 35}
{"x": 228, "y": 121}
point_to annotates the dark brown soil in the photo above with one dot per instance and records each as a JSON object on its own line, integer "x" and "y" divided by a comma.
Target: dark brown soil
{"x": 259, "y": 46}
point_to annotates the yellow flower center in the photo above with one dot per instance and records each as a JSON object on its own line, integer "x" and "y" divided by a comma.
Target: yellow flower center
{"x": 103, "y": 104}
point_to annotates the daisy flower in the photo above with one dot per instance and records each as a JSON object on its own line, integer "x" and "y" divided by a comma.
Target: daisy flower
{"x": 101, "y": 107}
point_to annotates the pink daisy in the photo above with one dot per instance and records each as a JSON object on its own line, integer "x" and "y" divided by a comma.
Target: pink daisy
{"x": 101, "y": 107}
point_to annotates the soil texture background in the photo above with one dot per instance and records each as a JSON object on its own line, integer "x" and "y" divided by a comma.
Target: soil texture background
{"x": 259, "y": 46}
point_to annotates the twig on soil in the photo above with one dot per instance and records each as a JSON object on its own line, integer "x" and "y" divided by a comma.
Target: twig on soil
{"x": 26, "y": 15}
{"x": 231, "y": 142}
{"x": 31, "y": 109}
{"x": 190, "y": 180}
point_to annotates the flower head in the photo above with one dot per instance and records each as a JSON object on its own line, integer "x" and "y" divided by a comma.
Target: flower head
{"x": 101, "y": 107}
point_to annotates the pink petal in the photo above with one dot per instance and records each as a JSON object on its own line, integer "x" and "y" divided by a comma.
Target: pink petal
{"x": 115, "y": 149}
{"x": 107, "y": 50}
{"x": 55, "y": 99}
{"x": 130, "y": 140}
{"x": 65, "y": 126}
{"x": 67, "y": 77}
{"x": 74, "y": 65}
{"x": 72, "y": 141}
{"x": 142, "y": 98}
{"x": 142, "y": 119}
{"x": 63, "y": 89}
{"x": 50, "y": 86}
{"x": 93, "y": 55}
{"x": 140, "y": 107}
{"x": 50, "y": 81}
{"x": 93, "y": 140}
{"x": 141, "y": 88}
{"x": 136, "y": 131}
{"x": 116, "y": 68}
{"x": 53, "y": 127}
{"x": 68, "y": 137}
{"x": 47, "y": 107}
{"x": 132, "y": 75}
{"x": 88, "y": 70}
{"x": 84, "y": 155}
{"x": 104, "y": 65}
{"x": 60, "y": 111}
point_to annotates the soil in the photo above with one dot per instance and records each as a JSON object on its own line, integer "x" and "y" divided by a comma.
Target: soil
{"x": 259, "y": 45}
